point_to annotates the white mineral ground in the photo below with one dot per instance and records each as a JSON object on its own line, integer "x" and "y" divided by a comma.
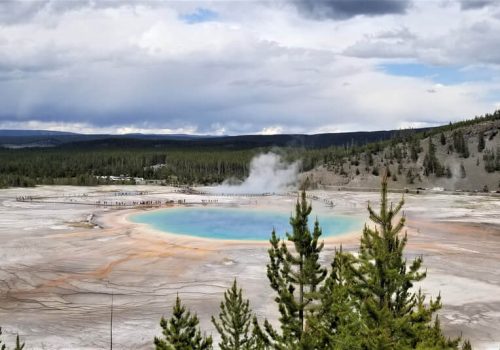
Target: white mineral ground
{"x": 57, "y": 272}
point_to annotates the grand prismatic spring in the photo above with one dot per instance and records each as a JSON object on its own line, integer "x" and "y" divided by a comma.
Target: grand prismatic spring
{"x": 236, "y": 224}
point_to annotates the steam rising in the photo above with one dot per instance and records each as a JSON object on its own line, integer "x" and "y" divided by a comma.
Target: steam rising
{"x": 268, "y": 174}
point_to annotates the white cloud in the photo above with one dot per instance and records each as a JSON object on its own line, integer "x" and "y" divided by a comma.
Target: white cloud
{"x": 272, "y": 130}
{"x": 258, "y": 68}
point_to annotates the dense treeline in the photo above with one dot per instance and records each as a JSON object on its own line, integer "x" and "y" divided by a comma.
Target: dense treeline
{"x": 361, "y": 301}
{"x": 27, "y": 167}
{"x": 467, "y": 122}
{"x": 54, "y": 166}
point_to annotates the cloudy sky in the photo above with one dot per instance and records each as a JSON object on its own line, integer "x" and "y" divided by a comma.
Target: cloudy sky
{"x": 237, "y": 67}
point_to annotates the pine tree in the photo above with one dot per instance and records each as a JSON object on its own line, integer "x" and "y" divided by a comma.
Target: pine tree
{"x": 2, "y": 346}
{"x": 394, "y": 317}
{"x": 296, "y": 277}
{"x": 410, "y": 177}
{"x": 463, "y": 174}
{"x": 489, "y": 160}
{"x": 336, "y": 324}
{"x": 19, "y": 346}
{"x": 460, "y": 144}
{"x": 480, "y": 142}
{"x": 443, "y": 139}
{"x": 415, "y": 149}
{"x": 234, "y": 321}
{"x": 181, "y": 331}
{"x": 497, "y": 160}
{"x": 369, "y": 158}
{"x": 431, "y": 163}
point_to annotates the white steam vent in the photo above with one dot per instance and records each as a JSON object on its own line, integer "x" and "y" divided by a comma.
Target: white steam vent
{"x": 268, "y": 174}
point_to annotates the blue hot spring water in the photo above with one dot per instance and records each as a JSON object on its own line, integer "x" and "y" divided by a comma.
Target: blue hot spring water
{"x": 237, "y": 224}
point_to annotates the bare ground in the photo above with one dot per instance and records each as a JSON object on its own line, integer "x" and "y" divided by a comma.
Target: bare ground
{"x": 58, "y": 269}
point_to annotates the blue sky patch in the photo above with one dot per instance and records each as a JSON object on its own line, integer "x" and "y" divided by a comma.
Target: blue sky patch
{"x": 447, "y": 75}
{"x": 200, "y": 15}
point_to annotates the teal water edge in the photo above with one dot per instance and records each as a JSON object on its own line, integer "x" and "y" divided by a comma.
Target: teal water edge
{"x": 237, "y": 224}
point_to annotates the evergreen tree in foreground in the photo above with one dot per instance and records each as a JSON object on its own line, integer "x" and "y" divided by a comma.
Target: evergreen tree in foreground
{"x": 181, "y": 331}
{"x": 19, "y": 345}
{"x": 2, "y": 345}
{"x": 393, "y": 315}
{"x": 337, "y": 323}
{"x": 296, "y": 277}
{"x": 234, "y": 321}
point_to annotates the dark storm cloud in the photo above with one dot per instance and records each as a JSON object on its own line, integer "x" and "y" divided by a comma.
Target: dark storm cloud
{"x": 12, "y": 11}
{"x": 344, "y": 9}
{"x": 156, "y": 96}
{"x": 475, "y": 4}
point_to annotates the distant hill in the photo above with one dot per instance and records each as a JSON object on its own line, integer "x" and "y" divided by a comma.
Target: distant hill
{"x": 32, "y": 133}
{"x": 42, "y": 138}
{"x": 33, "y": 138}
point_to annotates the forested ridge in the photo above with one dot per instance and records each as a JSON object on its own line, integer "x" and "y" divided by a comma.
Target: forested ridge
{"x": 463, "y": 155}
{"x": 212, "y": 161}
{"x": 48, "y": 138}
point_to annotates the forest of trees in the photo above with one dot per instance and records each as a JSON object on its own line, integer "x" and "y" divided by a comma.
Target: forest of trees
{"x": 53, "y": 166}
{"x": 361, "y": 301}
{"x": 88, "y": 163}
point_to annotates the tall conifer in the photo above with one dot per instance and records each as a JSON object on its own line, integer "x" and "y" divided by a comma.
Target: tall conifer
{"x": 181, "y": 331}
{"x": 480, "y": 142}
{"x": 234, "y": 321}
{"x": 19, "y": 346}
{"x": 394, "y": 315}
{"x": 336, "y": 324}
{"x": 296, "y": 276}
{"x": 443, "y": 139}
{"x": 2, "y": 345}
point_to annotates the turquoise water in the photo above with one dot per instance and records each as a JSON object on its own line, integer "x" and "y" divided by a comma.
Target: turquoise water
{"x": 236, "y": 224}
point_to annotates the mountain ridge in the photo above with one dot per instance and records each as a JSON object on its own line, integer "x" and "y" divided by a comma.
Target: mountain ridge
{"x": 33, "y": 139}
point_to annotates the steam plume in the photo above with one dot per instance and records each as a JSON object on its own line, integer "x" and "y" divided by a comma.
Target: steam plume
{"x": 268, "y": 174}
